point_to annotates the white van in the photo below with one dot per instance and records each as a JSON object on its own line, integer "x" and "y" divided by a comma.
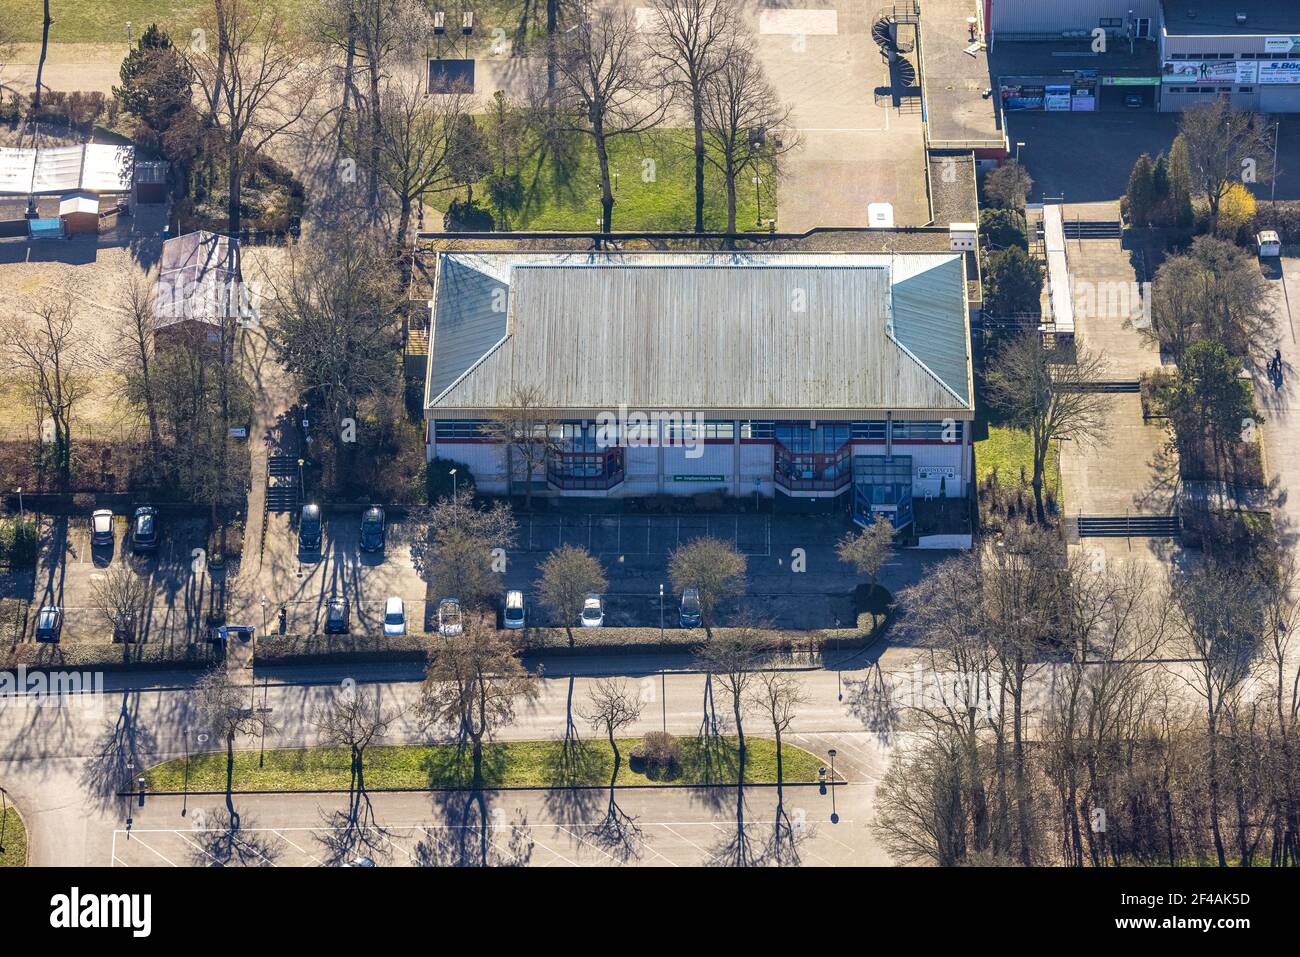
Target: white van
{"x": 1269, "y": 243}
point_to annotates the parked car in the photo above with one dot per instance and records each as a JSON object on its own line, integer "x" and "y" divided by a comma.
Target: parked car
{"x": 394, "y": 616}
{"x": 309, "y": 529}
{"x": 144, "y": 529}
{"x": 101, "y": 527}
{"x": 512, "y": 615}
{"x": 374, "y": 527}
{"x": 124, "y": 626}
{"x": 690, "y": 616}
{"x": 227, "y": 633}
{"x": 450, "y": 622}
{"x": 1134, "y": 101}
{"x": 49, "y": 623}
{"x": 593, "y": 612}
{"x": 336, "y": 616}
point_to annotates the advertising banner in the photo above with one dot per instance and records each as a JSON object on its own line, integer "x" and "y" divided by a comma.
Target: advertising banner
{"x": 1279, "y": 71}
{"x": 1282, "y": 46}
{"x": 1209, "y": 72}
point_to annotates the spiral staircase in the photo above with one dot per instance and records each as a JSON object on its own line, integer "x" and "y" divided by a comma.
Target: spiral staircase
{"x": 897, "y": 53}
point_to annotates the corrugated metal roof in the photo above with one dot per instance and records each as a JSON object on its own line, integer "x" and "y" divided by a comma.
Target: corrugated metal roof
{"x": 930, "y": 322}
{"x": 99, "y": 167}
{"x": 707, "y": 332}
{"x": 469, "y": 319}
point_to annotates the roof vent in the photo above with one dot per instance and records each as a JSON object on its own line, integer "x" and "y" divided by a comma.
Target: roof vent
{"x": 1241, "y": 18}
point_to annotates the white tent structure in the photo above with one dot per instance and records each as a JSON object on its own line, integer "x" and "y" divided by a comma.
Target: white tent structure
{"x": 96, "y": 167}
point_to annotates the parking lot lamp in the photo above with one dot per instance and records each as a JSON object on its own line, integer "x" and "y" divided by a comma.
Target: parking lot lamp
{"x": 20, "y": 503}
{"x": 452, "y": 473}
{"x": 1018, "y": 145}
{"x": 663, "y": 677}
{"x": 834, "y": 816}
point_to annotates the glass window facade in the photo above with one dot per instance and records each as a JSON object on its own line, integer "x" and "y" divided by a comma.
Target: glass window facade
{"x": 452, "y": 429}
{"x": 827, "y": 437}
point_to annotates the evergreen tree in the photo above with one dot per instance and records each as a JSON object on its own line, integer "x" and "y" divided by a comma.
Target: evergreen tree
{"x": 1141, "y": 194}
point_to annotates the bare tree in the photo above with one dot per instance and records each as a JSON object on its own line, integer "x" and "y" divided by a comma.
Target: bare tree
{"x": 472, "y": 687}
{"x": 335, "y": 325}
{"x": 135, "y": 349}
{"x": 53, "y": 368}
{"x": 46, "y": 22}
{"x": 225, "y": 707}
{"x": 121, "y": 595}
{"x": 416, "y": 140}
{"x": 777, "y": 695}
{"x": 869, "y": 549}
{"x": 605, "y": 90}
{"x": 353, "y": 718}
{"x": 458, "y": 542}
{"x": 714, "y": 567}
{"x": 522, "y": 425}
{"x": 1225, "y": 145}
{"x": 1048, "y": 398}
{"x": 255, "y": 82}
{"x": 693, "y": 43}
{"x": 732, "y": 660}
{"x": 740, "y": 115}
{"x": 569, "y": 575}
{"x": 614, "y": 707}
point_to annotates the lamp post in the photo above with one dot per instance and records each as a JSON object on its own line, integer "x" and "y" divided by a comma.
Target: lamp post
{"x": 4, "y": 817}
{"x": 19, "y": 490}
{"x": 835, "y": 818}
{"x": 1018, "y": 145}
{"x": 663, "y": 677}
{"x": 758, "y": 201}
{"x": 452, "y": 473}
{"x": 263, "y": 602}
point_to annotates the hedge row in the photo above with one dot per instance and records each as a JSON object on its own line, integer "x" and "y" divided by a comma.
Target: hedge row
{"x": 336, "y": 649}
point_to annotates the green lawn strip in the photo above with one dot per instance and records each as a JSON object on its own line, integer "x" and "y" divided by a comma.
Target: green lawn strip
{"x": 100, "y": 21}
{"x": 654, "y": 187}
{"x": 506, "y": 764}
{"x": 13, "y": 840}
{"x": 1008, "y": 450}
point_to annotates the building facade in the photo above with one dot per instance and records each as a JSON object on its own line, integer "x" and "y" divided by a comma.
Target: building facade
{"x": 832, "y": 376}
{"x": 1161, "y": 54}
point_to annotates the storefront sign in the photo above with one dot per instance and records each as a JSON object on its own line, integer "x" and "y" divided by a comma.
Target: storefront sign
{"x": 1283, "y": 46}
{"x": 936, "y": 472}
{"x": 1130, "y": 81}
{"x": 1020, "y": 97}
{"x": 1056, "y": 99}
{"x": 1192, "y": 72}
{"x": 1276, "y": 72}
{"x": 699, "y": 478}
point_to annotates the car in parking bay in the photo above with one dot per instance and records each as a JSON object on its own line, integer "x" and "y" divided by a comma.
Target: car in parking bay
{"x": 101, "y": 527}
{"x": 337, "y": 617}
{"x": 374, "y": 529}
{"x": 144, "y": 529}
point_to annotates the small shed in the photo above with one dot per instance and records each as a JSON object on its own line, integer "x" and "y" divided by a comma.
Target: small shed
{"x": 151, "y": 182}
{"x": 45, "y": 229}
{"x": 79, "y": 212}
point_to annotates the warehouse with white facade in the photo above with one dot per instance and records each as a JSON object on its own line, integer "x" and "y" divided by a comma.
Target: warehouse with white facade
{"x": 803, "y": 376}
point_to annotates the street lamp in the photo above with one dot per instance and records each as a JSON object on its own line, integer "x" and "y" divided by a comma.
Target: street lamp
{"x": 1018, "y": 145}
{"x": 301, "y": 483}
{"x": 835, "y": 818}
{"x": 663, "y": 677}
{"x": 263, "y": 602}
{"x": 452, "y": 473}
{"x": 758, "y": 201}
{"x": 19, "y": 490}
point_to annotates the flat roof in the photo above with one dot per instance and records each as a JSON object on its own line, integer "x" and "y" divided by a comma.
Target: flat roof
{"x": 956, "y": 109}
{"x": 1026, "y": 58}
{"x": 728, "y": 334}
{"x": 1219, "y": 17}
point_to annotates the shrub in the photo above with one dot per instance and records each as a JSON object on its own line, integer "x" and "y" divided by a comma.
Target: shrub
{"x": 438, "y": 481}
{"x": 659, "y": 755}
{"x": 18, "y": 543}
{"x": 468, "y": 216}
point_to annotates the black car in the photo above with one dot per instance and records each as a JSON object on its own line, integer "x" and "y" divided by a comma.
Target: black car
{"x": 144, "y": 529}
{"x": 336, "y": 616}
{"x": 49, "y": 623}
{"x": 374, "y": 527}
{"x": 309, "y": 529}
{"x": 124, "y": 626}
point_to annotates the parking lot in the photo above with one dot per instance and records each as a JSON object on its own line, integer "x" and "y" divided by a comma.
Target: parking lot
{"x": 69, "y": 569}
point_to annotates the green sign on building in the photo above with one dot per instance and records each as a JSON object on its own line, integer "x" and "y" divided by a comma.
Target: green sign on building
{"x": 699, "y": 478}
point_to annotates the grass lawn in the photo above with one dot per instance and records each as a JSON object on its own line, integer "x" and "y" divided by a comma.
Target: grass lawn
{"x": 14, "y": 840}
{"x": 104, "y": 21}
{"x": 654, "y": 188}
{"x": 1008, "y": 449}
{"x": 506, "y": 764}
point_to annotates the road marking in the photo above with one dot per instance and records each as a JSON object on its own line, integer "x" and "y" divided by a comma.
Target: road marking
{"x": 798, "y": 22}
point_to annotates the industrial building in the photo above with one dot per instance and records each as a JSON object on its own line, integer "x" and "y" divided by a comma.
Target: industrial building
{"x": 1159, "y": 54}
{"x": 844, "y": 377}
